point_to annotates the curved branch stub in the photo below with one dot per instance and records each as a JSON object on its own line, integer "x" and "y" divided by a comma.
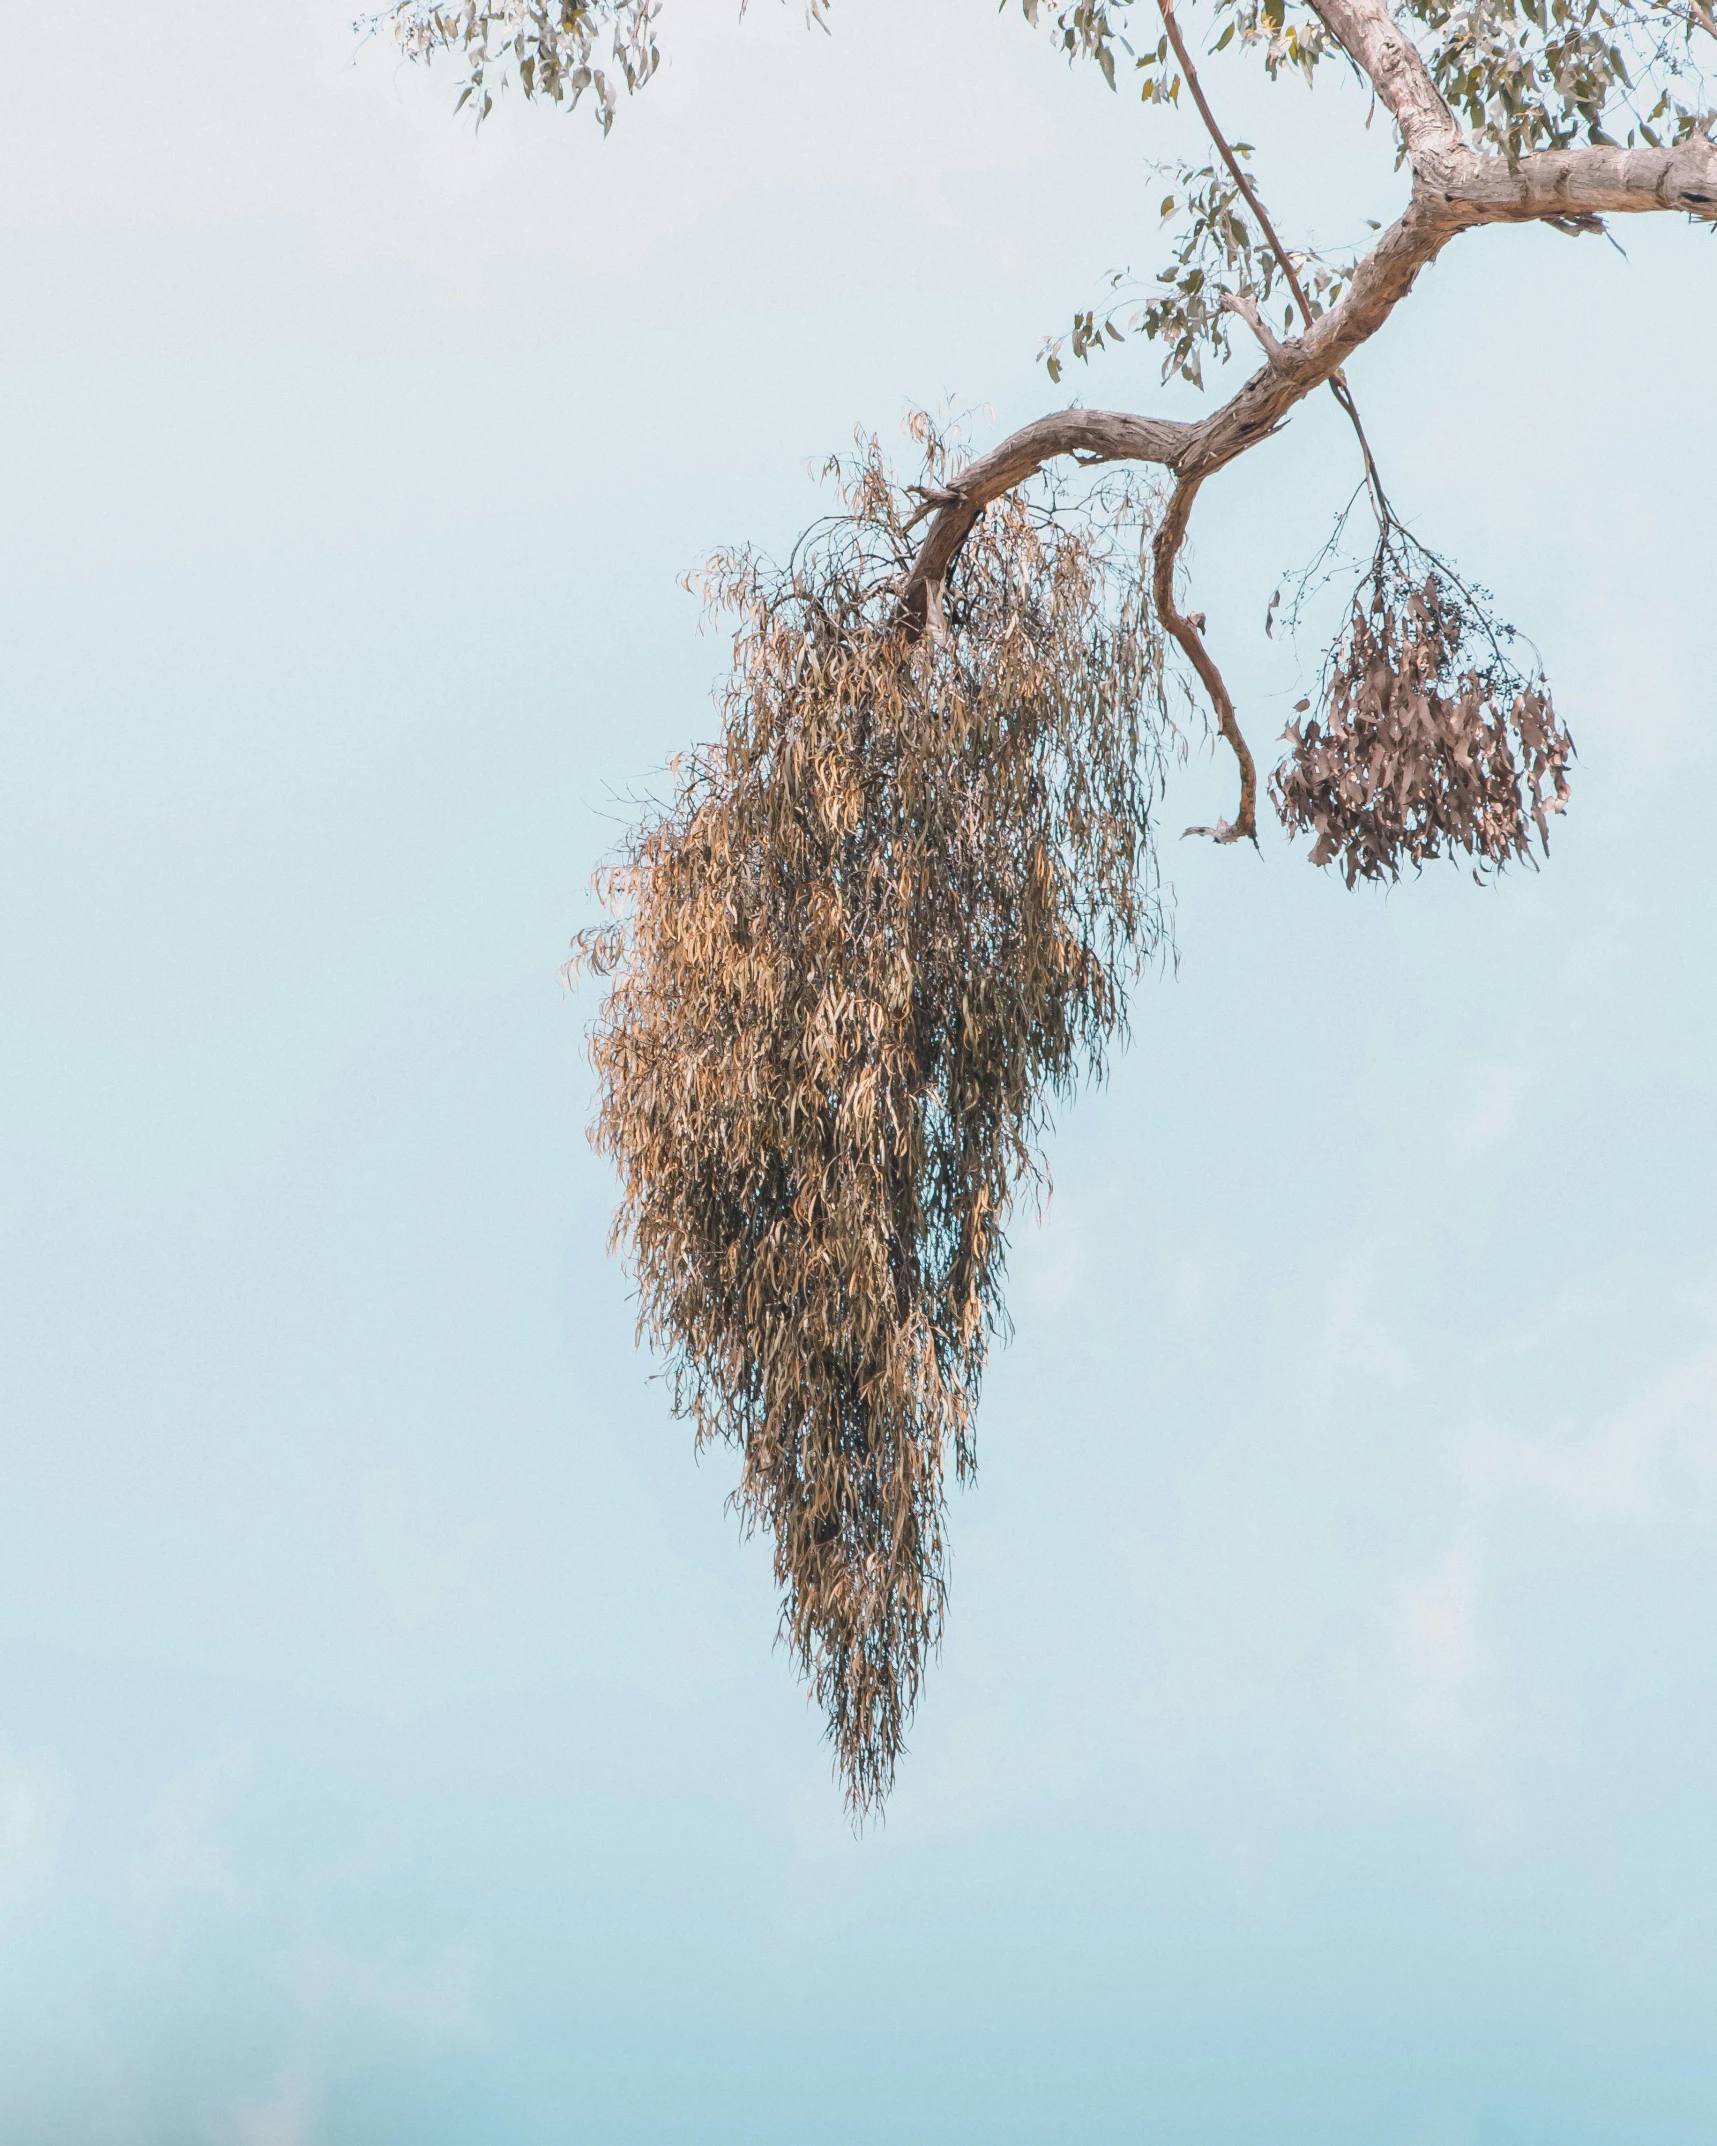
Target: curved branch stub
{"x": 1165, "y": 550}
{"x": 1245, "y": 306}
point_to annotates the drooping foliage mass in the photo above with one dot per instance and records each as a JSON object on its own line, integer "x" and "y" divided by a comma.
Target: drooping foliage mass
{"x": 878, "y": 927}
{"x": 1430, "y": 739}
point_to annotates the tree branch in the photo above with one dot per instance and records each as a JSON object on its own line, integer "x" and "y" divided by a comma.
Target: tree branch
{"x": 1273, "y": 350}
{"x": 1194, "y": 452}
{"x": 1165, "y": 8}
{"x": 1370, "y": 36}
{"x": 1165, "y": 550}
{"x": 1455, "y": 189}
{"x": 1554, "y": 185}
{"x": 1378, "y": 284}
{"x": 1093, "y": 435}
{"x": 1557, "y": 186}
{"x": 1247, "y": 311}
{"x": 1245, "y": 823}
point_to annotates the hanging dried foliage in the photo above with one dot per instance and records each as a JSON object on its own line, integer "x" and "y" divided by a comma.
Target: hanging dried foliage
{"x": 1431, "y": 739}
{"x": 877, "y": 928}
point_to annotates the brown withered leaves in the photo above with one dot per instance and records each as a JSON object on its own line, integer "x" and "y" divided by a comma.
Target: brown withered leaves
{"x": 1430, "y": 739}
{"x": 879, "y": 926}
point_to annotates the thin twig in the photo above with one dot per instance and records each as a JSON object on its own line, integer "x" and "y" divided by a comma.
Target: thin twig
{"x": 1338, "y": 386}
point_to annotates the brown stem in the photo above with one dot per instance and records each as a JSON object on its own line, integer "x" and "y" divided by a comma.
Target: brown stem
{"x": 1165, "y": 550}
{"x": 1166, "y": 9}
{"x": 1246, "y": 823}
{"x": 1338, "y": 387}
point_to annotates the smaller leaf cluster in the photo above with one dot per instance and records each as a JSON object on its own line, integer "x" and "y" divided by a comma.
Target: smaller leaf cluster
{"x": 1526, "y": 75}
{"x": 1219, "y": 250}
{"x": 1086, "y": 29}
{"x": 1285, "y": 35}
{"x": 548, "y": 45}
{"x": 1431, "y": 739}
{"x": 1288, "y": 31}
{"x": 1522, "y": 74}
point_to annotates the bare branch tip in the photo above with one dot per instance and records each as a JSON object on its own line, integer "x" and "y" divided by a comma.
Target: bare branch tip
{"x": 1226, "y": 831}
{"x": 1242, "y": 303}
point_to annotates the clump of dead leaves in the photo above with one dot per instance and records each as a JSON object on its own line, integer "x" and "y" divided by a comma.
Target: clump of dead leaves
{"x": 879, "y": 925}
{"x": 1431, "y": 739}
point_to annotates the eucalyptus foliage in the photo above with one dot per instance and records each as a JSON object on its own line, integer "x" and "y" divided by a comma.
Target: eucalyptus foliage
{"x": 889, "y": 917}
{"x": 552, "y": 48}
{"x": 1524, "y": 75}
{"x": 877, "y": 928}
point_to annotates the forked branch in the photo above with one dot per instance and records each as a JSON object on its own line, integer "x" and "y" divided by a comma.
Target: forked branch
{"x": 1455, "y": 189}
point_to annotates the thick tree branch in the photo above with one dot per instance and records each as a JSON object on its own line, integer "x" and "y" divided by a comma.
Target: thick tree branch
{"x": 1554, "y": 184}
{"x": 1381, "y": 280}
{"x": 1549, "y": 186}
{"x": 1381, "y": 49}
{"x": 1193, "y": 452}
{"x": 1095, "y": 435}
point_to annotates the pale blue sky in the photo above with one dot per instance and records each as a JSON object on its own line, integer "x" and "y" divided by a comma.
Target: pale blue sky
{"x": 391, "y": 1744}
